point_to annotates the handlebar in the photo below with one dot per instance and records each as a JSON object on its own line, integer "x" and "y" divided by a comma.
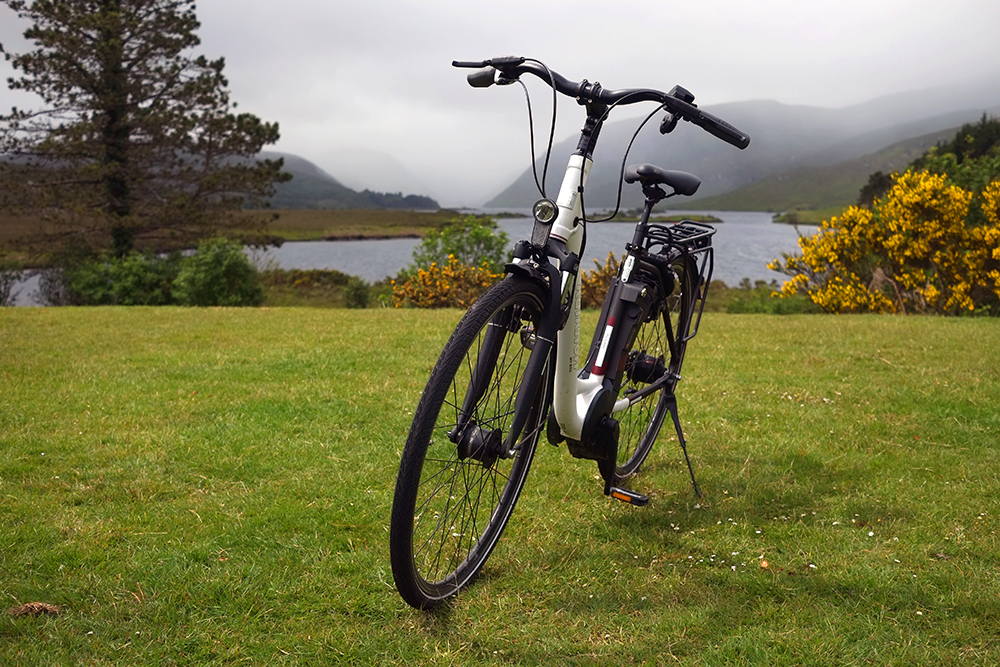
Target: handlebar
{"x": 507, "y": 69}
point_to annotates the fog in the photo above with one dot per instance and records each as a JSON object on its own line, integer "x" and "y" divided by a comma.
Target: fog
{"x": 365, "y": 90}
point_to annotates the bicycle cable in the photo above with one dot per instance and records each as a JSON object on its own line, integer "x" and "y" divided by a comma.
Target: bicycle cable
{"x": 621, "y": 175}
{"x": 628, "y": 149}
{"x": 531, "y": 127}
{"x": 540, "y": 185}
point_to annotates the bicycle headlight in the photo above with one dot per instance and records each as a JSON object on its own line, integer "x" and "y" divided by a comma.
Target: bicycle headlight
{"x": 544, "y": 212}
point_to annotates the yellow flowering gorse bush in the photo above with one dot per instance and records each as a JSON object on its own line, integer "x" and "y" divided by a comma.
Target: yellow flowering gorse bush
{"x": 914, "y": 251}
{"x": 594, "y": 284}
{"x": 987, "y": 238}
{"x": 454, "y": 285}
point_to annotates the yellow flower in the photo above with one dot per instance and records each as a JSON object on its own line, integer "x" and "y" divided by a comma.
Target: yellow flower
{"x": 913, "y": 251}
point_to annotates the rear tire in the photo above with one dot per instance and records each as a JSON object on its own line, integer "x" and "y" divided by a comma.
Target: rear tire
{"x": 640, "y": 423}
{"x": 454, "y": 495}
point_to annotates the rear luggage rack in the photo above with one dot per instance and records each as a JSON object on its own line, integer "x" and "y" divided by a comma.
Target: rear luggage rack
{"x": 687, "y": 234}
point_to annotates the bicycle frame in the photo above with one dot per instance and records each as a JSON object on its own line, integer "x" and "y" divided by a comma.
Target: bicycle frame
{"x": 571, "y": 397}
{"x": 575, "y": 398}
{"x": 584, "y": 400}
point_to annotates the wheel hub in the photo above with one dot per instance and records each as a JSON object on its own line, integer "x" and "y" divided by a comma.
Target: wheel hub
{"x": 644, "y": 368}
{"x": 481, "y": 444}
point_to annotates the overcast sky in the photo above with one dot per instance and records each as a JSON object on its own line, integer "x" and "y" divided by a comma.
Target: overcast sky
{"x": 351, "y": 79}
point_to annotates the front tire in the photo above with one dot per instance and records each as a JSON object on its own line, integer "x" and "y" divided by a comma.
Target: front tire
{"x": 456, "y": 489}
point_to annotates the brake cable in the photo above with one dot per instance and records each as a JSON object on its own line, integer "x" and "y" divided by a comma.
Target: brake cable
{"x": 531, "y": 127}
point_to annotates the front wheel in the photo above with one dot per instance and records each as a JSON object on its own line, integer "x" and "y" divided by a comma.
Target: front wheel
{"x": 640, "y": 423}
{"x": 458, "y": 481}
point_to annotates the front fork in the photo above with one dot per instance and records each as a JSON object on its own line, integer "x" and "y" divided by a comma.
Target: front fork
{"x": 472, "y": 439}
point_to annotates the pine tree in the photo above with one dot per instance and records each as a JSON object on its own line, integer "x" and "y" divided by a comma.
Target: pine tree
{"x": 138, "y": 143}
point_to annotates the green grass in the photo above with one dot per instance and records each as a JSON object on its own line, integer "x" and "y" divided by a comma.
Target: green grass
{"x": 213, "y": 486}
{"x": 313, "y": 225}
{"x": 810, "y": 216}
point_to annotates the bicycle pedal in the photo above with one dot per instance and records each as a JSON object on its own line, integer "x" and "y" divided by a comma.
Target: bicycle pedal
{"x": 630, "y": 497}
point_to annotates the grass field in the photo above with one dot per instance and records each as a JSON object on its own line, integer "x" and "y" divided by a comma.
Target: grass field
{"x": 299, "y": 225}
{"x": 212, "y": 487}
{"x": 312, "y": 225}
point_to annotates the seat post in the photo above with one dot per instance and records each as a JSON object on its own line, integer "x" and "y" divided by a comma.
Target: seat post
{"x": 654, "y": 194}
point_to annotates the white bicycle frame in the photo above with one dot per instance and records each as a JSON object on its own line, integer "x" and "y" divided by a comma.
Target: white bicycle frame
{"x": 573, "y": 395}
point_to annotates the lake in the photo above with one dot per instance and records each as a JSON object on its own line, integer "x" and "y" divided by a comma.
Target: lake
{"x": 744, "y": 243}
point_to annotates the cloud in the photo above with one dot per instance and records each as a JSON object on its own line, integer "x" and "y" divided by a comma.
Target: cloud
{"x": 377, "y": 73}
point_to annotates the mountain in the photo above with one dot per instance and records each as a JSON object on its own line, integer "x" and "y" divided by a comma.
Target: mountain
{"x": 313, "y": 188}
{"x": 829, "y": 186}
{"x": 785, "y": 139}
{"x": 361, "y": 168}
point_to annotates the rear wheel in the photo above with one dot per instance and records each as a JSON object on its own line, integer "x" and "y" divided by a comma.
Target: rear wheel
{"x": 640, "y": 423}
{"x": 458, "y": 483}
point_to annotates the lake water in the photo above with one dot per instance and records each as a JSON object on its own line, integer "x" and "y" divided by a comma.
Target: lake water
{"x": 744, "y": 243}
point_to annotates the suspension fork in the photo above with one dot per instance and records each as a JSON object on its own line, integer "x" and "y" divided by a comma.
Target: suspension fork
{"x": 535, "y": 370}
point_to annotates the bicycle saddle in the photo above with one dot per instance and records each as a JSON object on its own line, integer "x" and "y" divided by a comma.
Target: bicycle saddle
{"x": 682, "y": 182}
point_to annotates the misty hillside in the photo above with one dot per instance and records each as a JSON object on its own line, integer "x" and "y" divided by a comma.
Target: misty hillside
{"x": 828, "y": 186}
{"x": 785, "y": 140}
{"x": 313, "y": 188}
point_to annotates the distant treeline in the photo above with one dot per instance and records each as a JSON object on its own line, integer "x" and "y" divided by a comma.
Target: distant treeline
{"x": 399, "y": 200}
{"x": 972, "y": 142}
{"x": 305, "y": 191}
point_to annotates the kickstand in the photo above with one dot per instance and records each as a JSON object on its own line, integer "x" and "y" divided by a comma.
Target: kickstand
{"x": 672, "y": 406}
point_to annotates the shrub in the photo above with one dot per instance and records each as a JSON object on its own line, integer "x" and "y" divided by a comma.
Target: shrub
{"x": 132, "y": 280}
{"x": 357, "y": 293}
{"x": 454, "y": 285}
{"x": 218, "y": 274}
{"x": 304, "y": 278}
{"x": 322, "y": 288}
{"x": 135, "y": 279}
{"x": 928, "y": 246}
{"x": 472, "y": 240}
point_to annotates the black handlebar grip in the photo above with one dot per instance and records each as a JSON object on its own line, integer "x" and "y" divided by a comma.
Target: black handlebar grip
{"x": 723, "y": 130}
{"x": 507, "y": 61}
{"x": 484, "y": 78}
